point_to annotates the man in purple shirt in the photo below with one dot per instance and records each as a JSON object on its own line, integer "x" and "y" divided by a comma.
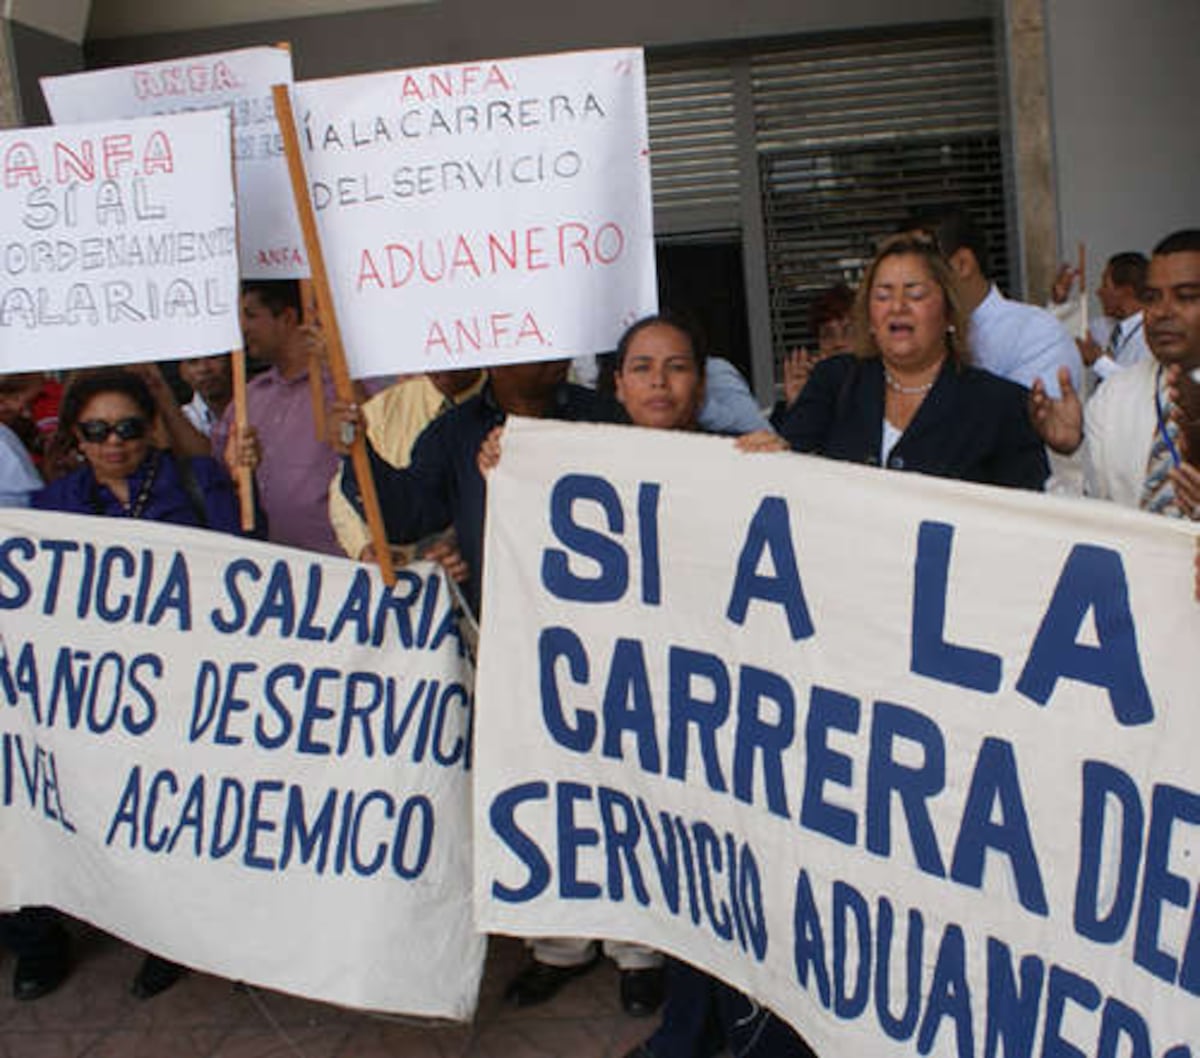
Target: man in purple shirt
{"x": 292, "y": 467}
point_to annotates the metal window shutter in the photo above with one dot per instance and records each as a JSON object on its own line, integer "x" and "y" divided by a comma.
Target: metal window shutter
{"x": 852, "y": 135}
{"x": 693, "y": 146}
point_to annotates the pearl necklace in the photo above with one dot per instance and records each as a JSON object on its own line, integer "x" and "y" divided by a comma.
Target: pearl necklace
{"x": 908, "y": 391}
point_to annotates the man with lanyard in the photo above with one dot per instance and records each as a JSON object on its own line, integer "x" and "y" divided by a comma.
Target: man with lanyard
{"x": 1120, "y": 296}
{"x": 1139, "y": 431}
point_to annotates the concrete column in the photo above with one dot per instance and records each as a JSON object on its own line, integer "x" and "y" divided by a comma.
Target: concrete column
{"x": 10, "y": 100}
{"x": 1032, "y": 144}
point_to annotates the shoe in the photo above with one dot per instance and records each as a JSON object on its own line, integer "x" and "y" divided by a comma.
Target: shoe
{"x": 155, "y": 976}
{"x": 39, "y": 975}
{"x": 539, "y": 981}
{"x": 642, "y": 991}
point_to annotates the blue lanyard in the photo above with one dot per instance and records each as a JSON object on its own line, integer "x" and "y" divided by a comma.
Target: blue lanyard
{"x": 1163, "y": 432}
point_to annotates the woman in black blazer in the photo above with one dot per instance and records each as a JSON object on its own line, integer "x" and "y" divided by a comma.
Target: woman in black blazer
{"x": 909, "y": 400}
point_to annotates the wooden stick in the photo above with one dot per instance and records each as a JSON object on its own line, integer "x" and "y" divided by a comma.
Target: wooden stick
{"x": 316, "y": 374}
{"x": 333, "y": 335}
{"x": 308, "y": 315}
{"x": 245, "y": 476}
{"x": 1083, "y": 291}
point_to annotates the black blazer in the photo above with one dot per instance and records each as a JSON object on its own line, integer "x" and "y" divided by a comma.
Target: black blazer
{"x": 972, "y": 425}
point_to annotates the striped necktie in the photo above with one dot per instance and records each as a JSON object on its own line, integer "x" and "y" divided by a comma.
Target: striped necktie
{"x": 1158, "y": 493}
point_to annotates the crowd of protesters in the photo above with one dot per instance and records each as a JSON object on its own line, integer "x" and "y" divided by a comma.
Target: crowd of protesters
{"x": 926, "y": 368}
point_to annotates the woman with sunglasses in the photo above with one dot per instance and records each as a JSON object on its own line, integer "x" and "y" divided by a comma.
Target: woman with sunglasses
{"x": 110, "y": 415}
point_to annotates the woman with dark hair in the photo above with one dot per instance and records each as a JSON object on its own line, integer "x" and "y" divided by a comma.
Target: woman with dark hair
{"x": 830, "y": 319}
{"x": 110, "y": 416}
{"x": 659, "y": 376}
{"x": 659, "y": 380}
{"x": 910, "y": 399}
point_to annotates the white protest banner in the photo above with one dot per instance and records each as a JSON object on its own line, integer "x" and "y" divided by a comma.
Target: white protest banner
{"x": 483, "y": 213}
{"x": 250, "y": 759}
{"x": 910, "y": 761}
{"x": 117, "y": 242}
{"x": 271, "y": 246}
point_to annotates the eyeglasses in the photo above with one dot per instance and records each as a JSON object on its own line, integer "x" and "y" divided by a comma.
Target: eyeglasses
{"x": 96, "y": 431}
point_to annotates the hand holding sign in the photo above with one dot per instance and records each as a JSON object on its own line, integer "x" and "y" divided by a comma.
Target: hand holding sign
{"x": 489, "y": 451}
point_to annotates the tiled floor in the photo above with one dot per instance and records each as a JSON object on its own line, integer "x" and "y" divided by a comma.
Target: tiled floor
{"x": 94, "y": 1016}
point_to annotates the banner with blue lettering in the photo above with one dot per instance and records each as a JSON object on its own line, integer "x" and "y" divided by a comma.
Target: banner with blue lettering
{"x": 911, "y": 762}
{"x": 246, "y": 758}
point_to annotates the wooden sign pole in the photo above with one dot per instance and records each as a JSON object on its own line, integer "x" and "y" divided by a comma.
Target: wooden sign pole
{"x": 316, "y": 375}
{"x": 241, "y": 420}
{"x": 243, "y": 475}
{"x": 333, "y": 336}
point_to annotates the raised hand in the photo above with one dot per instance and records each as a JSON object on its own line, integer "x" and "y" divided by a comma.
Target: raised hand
{"x": 1059, "y": 423}
{"x": 797, "y": 366}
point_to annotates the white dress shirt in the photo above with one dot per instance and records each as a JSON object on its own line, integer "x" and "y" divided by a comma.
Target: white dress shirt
{"x": 199, "y": 414}
{"x": 1022, "y": 343}
{"x": 1125, "y": 347}
{"x": 1119, "y": 426}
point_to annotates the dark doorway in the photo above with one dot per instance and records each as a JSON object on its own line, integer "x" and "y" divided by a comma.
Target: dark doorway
{"x": 701, "y": 277}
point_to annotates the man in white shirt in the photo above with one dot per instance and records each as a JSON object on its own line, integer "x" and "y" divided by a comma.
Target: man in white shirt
{"x": 1120, "y": 297}
{"x": 211, "y": 382}
{"x": 1138, "y": 451}
{"x": 1020, "y": 342}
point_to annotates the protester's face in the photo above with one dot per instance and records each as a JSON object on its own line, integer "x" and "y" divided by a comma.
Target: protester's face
{"x": 16, "y": 395}
{"x": 209, "y": 376}
{"x": 659, "y": 382}
{"x": 263, "y": 333}
{"x": 1110, "y": 296}
{"x": 114, "y": 457}
{"x": 531, "y": 380}
{"x": 835, "y": 336}
{"x": 1172, "y": 306}
{"x": 907, "y": 312}
{"x": 452, "y": 383}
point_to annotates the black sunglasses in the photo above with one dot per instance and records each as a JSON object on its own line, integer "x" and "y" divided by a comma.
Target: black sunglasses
{"x": 96, "y": 431}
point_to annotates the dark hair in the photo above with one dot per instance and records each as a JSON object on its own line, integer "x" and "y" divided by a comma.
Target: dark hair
{"x": 276, "y": 294}
{"x": 20, "y": 382}
{"x": 90, "y": 384}
{"x": 833, "y": 304}
{"x": 954, "y": 229}
{"x": 1185, "y": 241}
{"x": 668, "y": 319}
{"x": 1128, "y": 270}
